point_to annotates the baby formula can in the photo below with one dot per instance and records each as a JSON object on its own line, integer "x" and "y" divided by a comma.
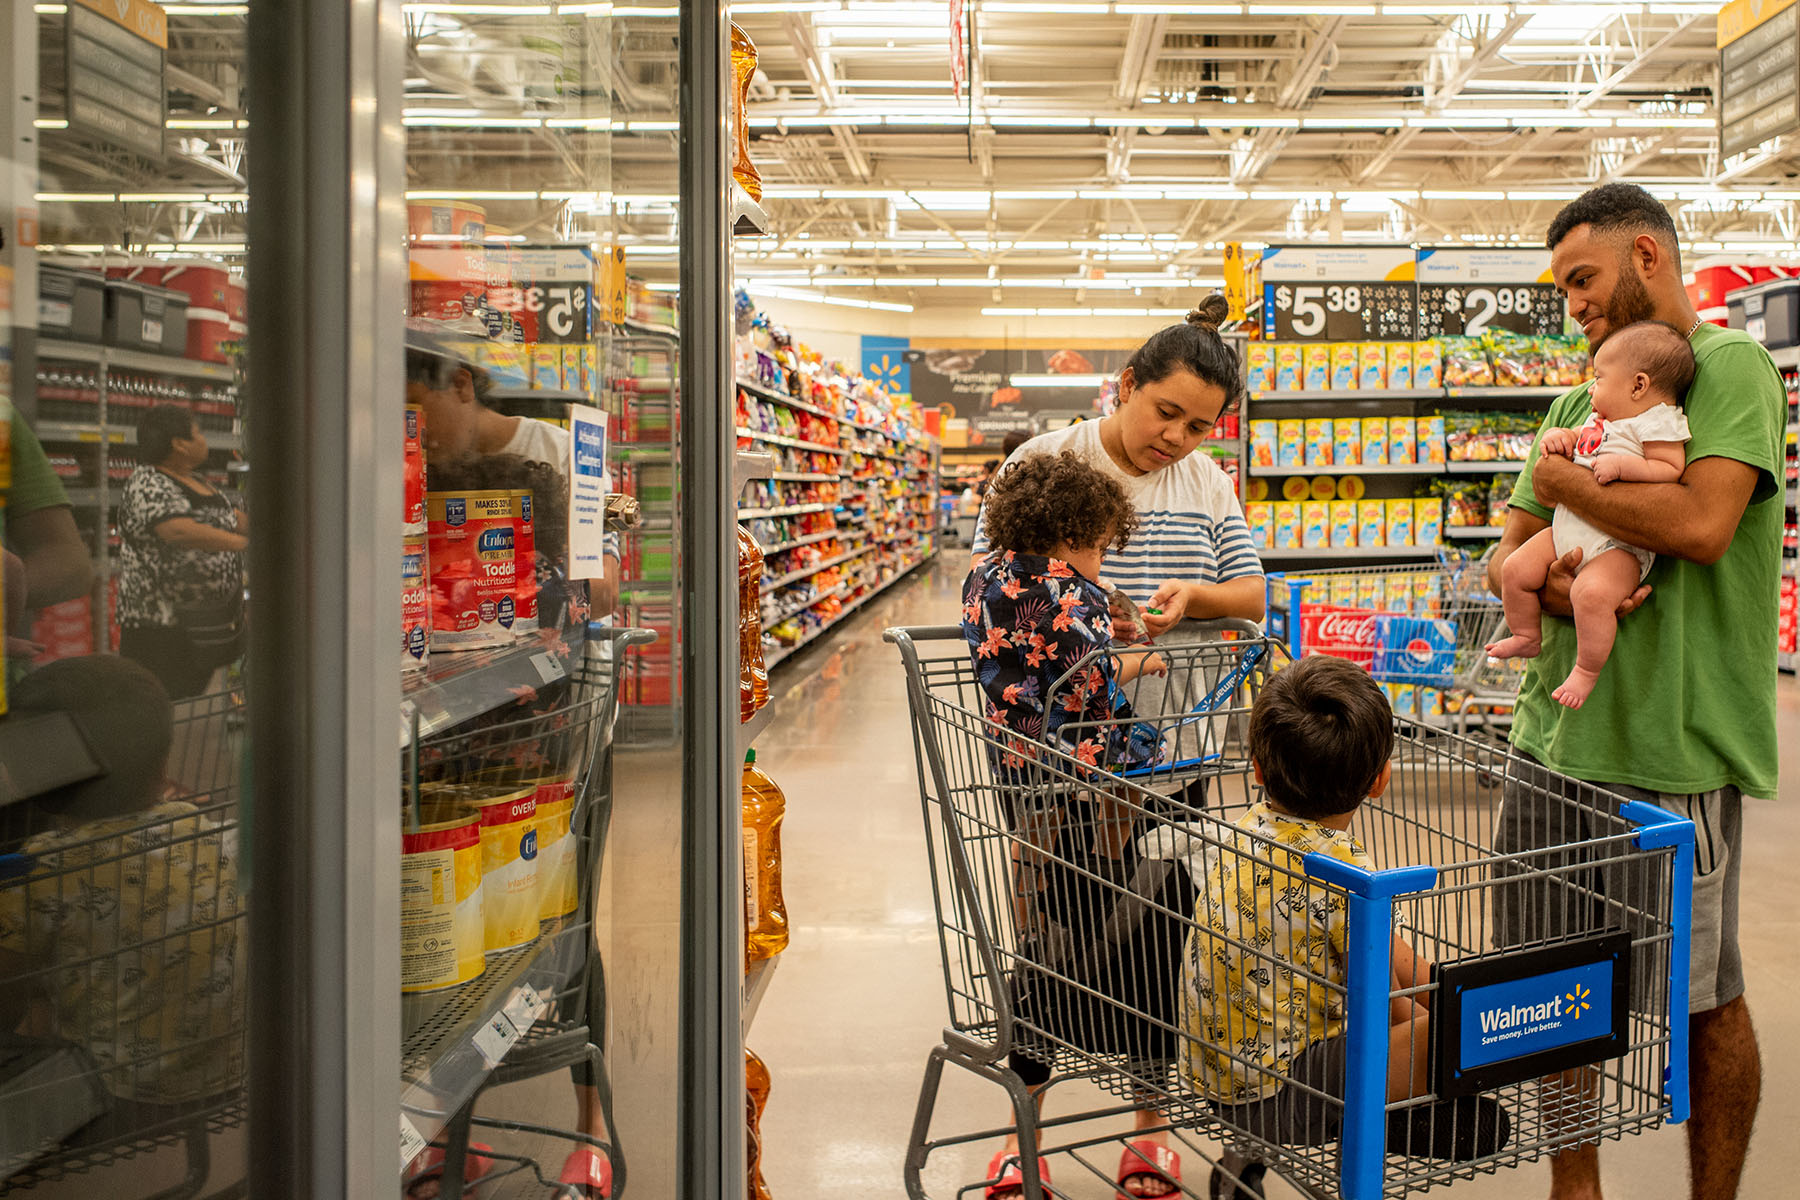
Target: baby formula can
{"x": 556, "y": 850}
{"x": 441, "y": 936}
{"x": 509, "y": 865}
{"x": 415, "y": 603}
{"x": 473, "y": 571}
{"x": 525, "y": 590}
{"x": 413, "y": 472}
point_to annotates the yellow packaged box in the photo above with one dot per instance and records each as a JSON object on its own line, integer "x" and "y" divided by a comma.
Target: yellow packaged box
{"x": 1428, "y": 520}
{"x": 1369, "y": 592}
{"x": 1287, "y": 525}
{"x": 1371, "y": 365}
{"x": 1287, "y": 367}
{"x": 1431, "y": 440}
{"x": 1403, "y": 441}
{"x": 1400, "y": 522}
{"x": 1290, "y": 442}
{"x": 1259, "y": 367}
{"x": 1428, "y": 365}
{"x": 1318, "y": 441}
{"x": 1346, "y": 442}
{"x": 1343, "y": 366}
{"x": 1399, "y": 364}
{"x": 1315, "y": 363}
{"x": 1260, "y": 516}
{"x": 1315, "y": 525}
{"x": 546, "y": 368}
{"x": 1371, "y": 523}
{"x": 1343, "y": 524}
{"x": 1343, "y": 590}
{"x": 1374, "y": 441}
{"x": 1262, "y": 443}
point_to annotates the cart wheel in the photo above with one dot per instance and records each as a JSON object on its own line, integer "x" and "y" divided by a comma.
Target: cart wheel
{"x": 1249, "y": 1184}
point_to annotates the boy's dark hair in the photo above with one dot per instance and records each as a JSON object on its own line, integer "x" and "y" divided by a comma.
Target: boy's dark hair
{"x": 159, "y": 429}
{"x": 436, "y": 371}
{"x": 1195, "y": 346}
{"x": 1661, "y": 352}
{"x": 1050, "y": 500}
{"x": 1618, "y": 208}
{"x": 126, "y": 718}
{"x": 512, "y": 473}
{"x": 1321, "y": 731}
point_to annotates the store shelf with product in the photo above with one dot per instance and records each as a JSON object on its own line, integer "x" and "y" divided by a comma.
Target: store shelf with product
{"x": 1367, "y": 552}
{"x": 789, "y": 510}
{"x": 774, "y": 439}
{"x": 756, "y": 986}
{"x": 791, "y": 576}
{"x": 776, "y": 397}
{"x": 1474, "y": 531}
{"x": 1481, "y": 468}
{"x": 1352, "y": 469}
{"x": 1368, "y": 394}
{"x": 57, "y": 350}
{"x": 796, "y": 609}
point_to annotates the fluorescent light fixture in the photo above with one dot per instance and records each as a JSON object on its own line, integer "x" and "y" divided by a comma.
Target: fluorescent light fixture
{"x": 75, "y": 197}
{"x": 466, "y": 194}
{"x": 202, "y": 123}
{"x": 1045, "y": 120}
{"x": 50, "y": 123}
{"x": 161, "y": 197}
{"x": 1560, "y": 120}
{"x": 210, "y": 248}
{"x": 1313, "y": 10}
{"x": 49, "y": 10}
{"x": 1460, "y": 121}
{"x": 1668, "y": 122}
{"x": 477, "y": 10}
{"x": 788, "y": 293}
{"x": 590, "y": 123}
{"x": 1035, "y": 194}
{"x": 1547, "y": 194}
{"x": 206, "y": 10}
{"x": 1248, "y": 122}
{"x": 468, "y": 121}
{"x": 229, "y": 197}
{"x": 1127, "y": 8}
{"x": 825, "y": 120}
{"x": 1282, "y": 194}
{"x": 1462, "y": 195}
{"x": 1347, "y": 122}
{"x": 786, "y": 6}
{"x": 1024, "y": 381}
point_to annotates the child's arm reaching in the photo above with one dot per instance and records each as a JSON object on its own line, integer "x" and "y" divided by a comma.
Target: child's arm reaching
{"x": 1130, "y": 666}
{"x": 1663, "y": 462}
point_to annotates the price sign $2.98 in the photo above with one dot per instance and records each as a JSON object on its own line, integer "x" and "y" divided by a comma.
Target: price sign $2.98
{"x": 1528, "y": 308}
{"x": 1339, "y": 312}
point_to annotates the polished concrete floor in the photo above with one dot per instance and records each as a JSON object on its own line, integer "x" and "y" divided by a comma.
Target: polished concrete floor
{"x": 858, "y": 998}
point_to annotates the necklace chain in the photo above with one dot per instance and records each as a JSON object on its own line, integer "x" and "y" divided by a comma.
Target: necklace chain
{"x": 1694, "y": 326}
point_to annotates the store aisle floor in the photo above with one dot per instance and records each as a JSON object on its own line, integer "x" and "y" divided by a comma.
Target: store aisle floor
{"x": 858, "y": 998}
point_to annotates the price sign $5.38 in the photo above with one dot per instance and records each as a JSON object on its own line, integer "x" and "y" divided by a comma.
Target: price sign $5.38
{"x": 1339, "y": 312}
{"x": 559, "y": 311}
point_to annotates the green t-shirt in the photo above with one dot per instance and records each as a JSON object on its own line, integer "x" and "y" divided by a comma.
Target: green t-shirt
{"x": 34, "y": 485}
{"x": 1687, "y": 701}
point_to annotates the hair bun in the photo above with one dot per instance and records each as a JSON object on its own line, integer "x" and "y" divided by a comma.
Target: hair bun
{"x": 1210, "y": 313}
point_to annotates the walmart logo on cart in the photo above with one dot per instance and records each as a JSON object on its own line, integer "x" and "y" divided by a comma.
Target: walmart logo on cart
{"x": 1536, "y": 1013}
{"x": 1498, "y": 1020}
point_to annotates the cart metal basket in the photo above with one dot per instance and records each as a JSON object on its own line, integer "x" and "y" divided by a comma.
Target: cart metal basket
{"x": 1070, "y": 899}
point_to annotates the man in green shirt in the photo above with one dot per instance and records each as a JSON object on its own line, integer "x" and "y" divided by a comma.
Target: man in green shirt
{"x": 1684, "y": 713}
{"x": 45, "y": 559}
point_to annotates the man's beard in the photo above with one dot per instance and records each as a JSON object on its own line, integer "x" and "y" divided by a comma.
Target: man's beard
{"x": 1629, "y": 304}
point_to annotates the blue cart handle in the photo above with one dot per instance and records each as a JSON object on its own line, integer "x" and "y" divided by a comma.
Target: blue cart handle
{"x": 1659, "y": 829}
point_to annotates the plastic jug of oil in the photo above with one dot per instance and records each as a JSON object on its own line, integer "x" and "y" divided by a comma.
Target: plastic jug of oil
{"x": 765, "y": 914}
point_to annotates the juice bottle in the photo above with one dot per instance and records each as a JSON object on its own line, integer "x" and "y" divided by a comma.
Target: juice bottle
{"x": 753, "y": 675}
{"x": 743, "y": 67}
{"x": 765, "y": 915}
{"x": 756, "y": 1099}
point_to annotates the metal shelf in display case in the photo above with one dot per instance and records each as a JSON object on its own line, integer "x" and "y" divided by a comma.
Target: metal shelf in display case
{"x": 1323, "y": 554}
{"x": 458, "y": 686}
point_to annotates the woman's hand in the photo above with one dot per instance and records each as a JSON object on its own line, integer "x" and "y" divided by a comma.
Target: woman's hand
{"x": 1166, "y": 607}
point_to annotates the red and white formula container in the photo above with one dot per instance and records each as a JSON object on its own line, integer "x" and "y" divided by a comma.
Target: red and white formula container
{"x": 413, "y": 472}
{"x": 442, "y": 934}
{"x": 472, "y": 568}
{"x": 415, "y": 603}
{"x": 525, "y": 592}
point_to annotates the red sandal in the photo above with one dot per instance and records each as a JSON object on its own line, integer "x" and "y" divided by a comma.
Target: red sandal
{"x": 586, "y": 1175}
{"x": 428, "y": 1166}
{"x": 1009, "y": 1176}
{"x": 1146, "y": 1157}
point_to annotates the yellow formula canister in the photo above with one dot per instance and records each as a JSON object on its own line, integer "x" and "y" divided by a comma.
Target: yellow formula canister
{"x": 557, "y": 845}
{"x": 509, "y": 862}
{"x": 441, "y": 932}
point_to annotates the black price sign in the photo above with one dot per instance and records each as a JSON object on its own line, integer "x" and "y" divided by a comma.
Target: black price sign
{"x": 1533, "y": 309}
{"x": 1340, "y": 312}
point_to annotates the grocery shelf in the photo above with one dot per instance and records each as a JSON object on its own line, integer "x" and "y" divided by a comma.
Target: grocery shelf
{"x": 878, "y": 454}
{"x": 789, "y": 511}
{"x": 134, "y": 360}
{"x": 775, "y": 439}
{"x": 120, "y": 435}
{"x": 1787, "y": 356}
{"x": 808, "y": 540}
{"x": 797, "y": 609}
{"x": 1474, "y": 531}
{"x": 1322, "y": 553}
{"x": 1421, "y": 469}
{"x": 756, "y": 983}
{"x": 452, "y": 1039}
{"x": 749, "y": 731}
{"x": 775, "y": 397}
{"x": 83, "y": 497}
{"x": 791, "y": 576}
{"x": 1484, "y": 468}
{"x": 795, "y": 477}
{"x": 1351, "y": 394}
{"x": 789, "y": 651}
{"x": 458, "y": 685}
{"x": 1546, "y": 392}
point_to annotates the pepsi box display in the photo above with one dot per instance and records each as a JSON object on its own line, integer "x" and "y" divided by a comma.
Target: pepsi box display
{"x": 1420, "y": 650}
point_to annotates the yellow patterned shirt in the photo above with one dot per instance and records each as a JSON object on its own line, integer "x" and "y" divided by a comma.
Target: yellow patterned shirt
{"x": 1264, "y": 938}
{"x": 129, "y": 926}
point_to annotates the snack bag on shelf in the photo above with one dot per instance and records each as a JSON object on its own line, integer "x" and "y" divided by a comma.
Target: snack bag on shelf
{"x": 1315, "y": 360}
{"x": 1346, "y": 442}
{"x": 1315, "y": 524}
{"x": 1466, "y": 363}
{"x": 1374, "y": 441}
{"x": 1343, "y": 524}
{"x": 1428, "y": 520}
{"x": 1499, "y": 499}
{"x": 1259, "y": 367}
{"x": 1428, "y": 365}
{"x": 1518, "y": 361}
{"x": 1318, "y": 441}
{"x": 1287, "y": 525}
{"x": 1343, "y": 366}
{"x": 1566, "y": 361}
{"x": 1287, "y": 367}
{"x": 1290, "y": 441}
{"x": 1260, "y": 516}
{"x": 1371, "y": 523}
{"x": 1400, "y": 521}
{"x": 1403, "y": 441}
{"x": 1371, "y": 365}
{"x": 1431, "y": 440}
{"x": 1466, "y": 504}
{"x": 1400, "y": 364}
{"x": 1262, "y": 443}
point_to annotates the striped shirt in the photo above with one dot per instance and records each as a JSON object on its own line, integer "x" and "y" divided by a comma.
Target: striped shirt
{"x": 1190, "y": 524}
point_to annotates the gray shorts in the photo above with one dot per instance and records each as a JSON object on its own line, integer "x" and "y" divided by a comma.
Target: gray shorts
{"x": 1541, "y": 820}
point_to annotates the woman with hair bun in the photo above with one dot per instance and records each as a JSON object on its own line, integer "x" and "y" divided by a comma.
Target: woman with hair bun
{"x": 1190, "y": 559}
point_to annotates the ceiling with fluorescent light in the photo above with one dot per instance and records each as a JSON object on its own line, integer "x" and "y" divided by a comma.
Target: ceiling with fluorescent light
{"x": 1101, "y": 153}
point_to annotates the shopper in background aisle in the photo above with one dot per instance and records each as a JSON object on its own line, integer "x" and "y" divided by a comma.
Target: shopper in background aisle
{"x": 1191, "y": 556}
{"x": 1684, "y": 715}
{"x": 181, "y": 562}
{"x": 46, "y": 561}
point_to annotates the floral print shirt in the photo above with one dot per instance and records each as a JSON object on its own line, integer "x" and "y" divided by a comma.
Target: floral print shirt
{"x": 1029, "y": 620}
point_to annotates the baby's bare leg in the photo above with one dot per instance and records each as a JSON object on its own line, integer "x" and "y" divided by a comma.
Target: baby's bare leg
{"x": 1595, "y": 596}
{"x": 1520, "y": 578}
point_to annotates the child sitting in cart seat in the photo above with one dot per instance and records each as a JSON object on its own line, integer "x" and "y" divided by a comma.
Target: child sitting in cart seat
{"x": 1035, "y": 607}
{"x": 1637, "y": 434}
{"x": 1269, "y": 944}
{"x": 117, "y": 928}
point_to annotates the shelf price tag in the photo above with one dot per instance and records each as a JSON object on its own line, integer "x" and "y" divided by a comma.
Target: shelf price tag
{"x": 1467, "y": 292}
{"x": 496, "y": 1037}
{"x": 1339, "y": 293}
{"x": 411, "y": 1141}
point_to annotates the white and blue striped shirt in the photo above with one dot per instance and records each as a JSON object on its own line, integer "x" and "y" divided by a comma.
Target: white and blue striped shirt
{"x": 1190, "y": 523}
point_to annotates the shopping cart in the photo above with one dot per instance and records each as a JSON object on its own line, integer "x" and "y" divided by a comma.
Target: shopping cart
{"x": 1422, "y": 632}
{"x": 1062, "y": 943}
{"x": 561, "y": 732}
{"x": 123, "y": 940}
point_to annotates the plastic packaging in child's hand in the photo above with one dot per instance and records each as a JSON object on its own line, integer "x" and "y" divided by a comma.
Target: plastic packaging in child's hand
{"x": 1128, "y": 625}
